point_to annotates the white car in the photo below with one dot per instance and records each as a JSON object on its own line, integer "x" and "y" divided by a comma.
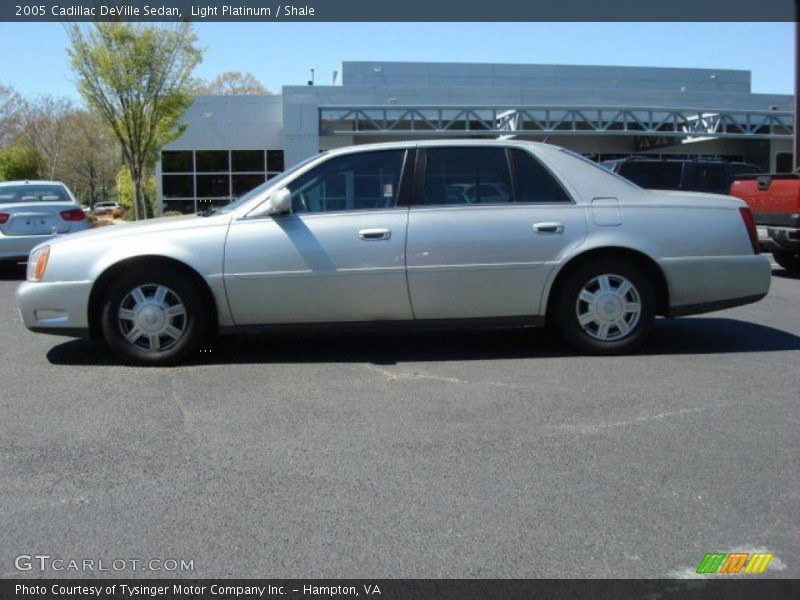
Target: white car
{"x": 374, "y": 234}
{"x": 34, "y": 211}
{"x": 104, "y": 207}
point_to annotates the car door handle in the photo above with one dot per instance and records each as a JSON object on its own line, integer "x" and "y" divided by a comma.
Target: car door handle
{"x": 548, "y": 227}
{"x": 372, "y": 235}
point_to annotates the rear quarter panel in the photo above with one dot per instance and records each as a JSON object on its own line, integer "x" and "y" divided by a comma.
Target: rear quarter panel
{"x": 699, "y": 242}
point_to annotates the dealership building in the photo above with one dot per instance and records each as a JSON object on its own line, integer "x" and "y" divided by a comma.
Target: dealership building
{"x": 233, "y": 143}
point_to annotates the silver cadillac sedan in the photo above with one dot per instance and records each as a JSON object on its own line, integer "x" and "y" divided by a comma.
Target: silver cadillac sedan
{"x": 33, "y": 211}
{"x": 435, "y": 233}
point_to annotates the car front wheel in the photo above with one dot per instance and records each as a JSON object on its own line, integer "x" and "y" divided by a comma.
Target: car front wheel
{"x": 606, "y": 306}
{"x": 154, "y": 319}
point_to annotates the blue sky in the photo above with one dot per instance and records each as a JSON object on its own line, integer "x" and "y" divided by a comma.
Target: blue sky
{"x": 281, "y": 53}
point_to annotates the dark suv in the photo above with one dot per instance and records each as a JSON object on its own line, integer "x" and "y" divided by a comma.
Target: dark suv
{"x": 691, "y": 175}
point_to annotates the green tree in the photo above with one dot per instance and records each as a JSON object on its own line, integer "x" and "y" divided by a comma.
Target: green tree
{"x": 139, "y": 79}
{"x": 124, "y": 187}
{"x": 20, "y": 162}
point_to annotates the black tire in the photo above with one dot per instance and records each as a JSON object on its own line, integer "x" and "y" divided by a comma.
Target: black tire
{"x": 617, "y": 341}
{"x": 193, "y": 324}
{"x": 788, "y": 260}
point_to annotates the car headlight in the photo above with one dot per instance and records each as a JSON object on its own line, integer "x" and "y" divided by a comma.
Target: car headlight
{"x": 37, "y": 262}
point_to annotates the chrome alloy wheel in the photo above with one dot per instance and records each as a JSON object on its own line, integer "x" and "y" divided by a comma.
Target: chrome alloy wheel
{"x": 608, "y": 307}
{"x": 152, "y": 317}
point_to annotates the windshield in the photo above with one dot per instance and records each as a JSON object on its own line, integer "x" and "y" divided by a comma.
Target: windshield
{"x": 31, "y": 192}
{"x": 267, "y": 184}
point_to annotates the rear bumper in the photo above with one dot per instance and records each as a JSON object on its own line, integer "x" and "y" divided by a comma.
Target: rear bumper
{"x": 777, "y": 219}
{"x": 19, "y": 246}
{"x": 60, "y": 308}
{"x": 704, "y": 307}
{"x": 704, "y": 284}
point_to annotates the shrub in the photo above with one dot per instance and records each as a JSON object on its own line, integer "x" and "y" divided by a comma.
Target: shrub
{"x": 124, "y": 189}
{"x": 21, "y": 162}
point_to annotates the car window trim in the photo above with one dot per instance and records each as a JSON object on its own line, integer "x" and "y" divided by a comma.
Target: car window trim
{"x": 406, "y": 183}
{"x": 512, "y": 174}
{"x": 420, "y": 165}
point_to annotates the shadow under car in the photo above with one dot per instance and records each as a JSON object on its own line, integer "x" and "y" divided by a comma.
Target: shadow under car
{"x": 698, "y": 335}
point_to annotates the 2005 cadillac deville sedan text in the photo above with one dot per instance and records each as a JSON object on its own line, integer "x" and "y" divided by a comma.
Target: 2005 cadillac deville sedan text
{"x": 432, "y": 233}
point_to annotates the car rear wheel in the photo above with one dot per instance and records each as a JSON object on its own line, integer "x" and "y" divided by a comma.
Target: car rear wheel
{"x": 154, "y": 319}
{"x": 606, "y": 306}
{"x": 788, "y": 260}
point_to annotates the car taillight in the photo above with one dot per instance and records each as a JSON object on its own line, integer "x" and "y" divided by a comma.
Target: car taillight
{"x": 75, "y": 214}
{"x": 750, "y": 225}
{"x": 4, "y": 217}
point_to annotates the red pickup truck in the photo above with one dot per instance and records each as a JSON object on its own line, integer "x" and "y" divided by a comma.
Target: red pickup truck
{"x": 775, "y": 202}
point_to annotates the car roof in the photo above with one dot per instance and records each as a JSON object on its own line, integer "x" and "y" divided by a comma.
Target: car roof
{"x": 438, "y": 143}
{"x": 31, "y": 182}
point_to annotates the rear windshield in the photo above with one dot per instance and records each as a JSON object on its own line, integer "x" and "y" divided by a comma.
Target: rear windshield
{"x": 33, "y": 193}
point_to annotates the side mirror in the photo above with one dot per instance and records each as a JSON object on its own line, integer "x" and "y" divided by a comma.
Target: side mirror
{"x": 279, "y": 202}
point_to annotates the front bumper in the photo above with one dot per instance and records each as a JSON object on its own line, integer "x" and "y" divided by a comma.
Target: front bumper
{"x": 58, "y": 307}
{"x": 784, "y": 238}
{"x": 704, "y": 284}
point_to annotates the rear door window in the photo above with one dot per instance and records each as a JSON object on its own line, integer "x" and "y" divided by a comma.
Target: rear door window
{"x": 466, "y": 176}
{"x": 653, "y": 175}
{"x": 534, "y": 183}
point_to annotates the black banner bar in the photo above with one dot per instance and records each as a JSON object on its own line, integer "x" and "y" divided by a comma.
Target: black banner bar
{"x": 722, "y": 588}
{"x": 397, "y": 10}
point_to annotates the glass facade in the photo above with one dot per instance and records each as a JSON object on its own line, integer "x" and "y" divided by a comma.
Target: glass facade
{"x": 192, "y": 180}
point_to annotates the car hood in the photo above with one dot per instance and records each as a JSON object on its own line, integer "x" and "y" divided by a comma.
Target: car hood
{"x": 139, "y": 227}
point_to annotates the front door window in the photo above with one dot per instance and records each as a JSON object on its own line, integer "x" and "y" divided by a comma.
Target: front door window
{"x": 363, "y": 181}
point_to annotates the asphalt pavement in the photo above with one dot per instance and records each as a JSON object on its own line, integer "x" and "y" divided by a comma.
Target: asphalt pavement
{"x": 439, "y": 454}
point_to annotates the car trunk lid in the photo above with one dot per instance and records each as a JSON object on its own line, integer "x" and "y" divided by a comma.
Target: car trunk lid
{"x": 35, "y": 219}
